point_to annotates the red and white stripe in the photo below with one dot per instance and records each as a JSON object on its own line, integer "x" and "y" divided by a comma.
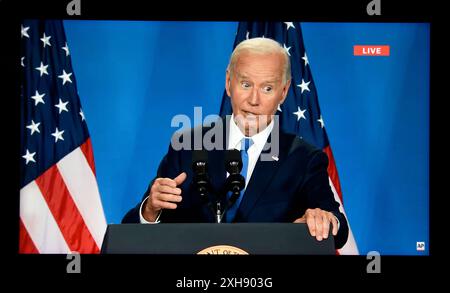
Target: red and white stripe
{"x": 61, "y": 210}
{"x": 350, "y": 248}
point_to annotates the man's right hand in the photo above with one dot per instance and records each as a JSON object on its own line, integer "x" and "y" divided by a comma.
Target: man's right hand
{"x": 164, "y": 194}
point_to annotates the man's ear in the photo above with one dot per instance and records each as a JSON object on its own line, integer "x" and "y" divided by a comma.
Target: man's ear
{"x": 228, "y": 83}
{"x": 285, "y": 91}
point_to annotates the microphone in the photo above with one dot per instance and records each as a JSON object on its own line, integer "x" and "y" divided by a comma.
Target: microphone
{"x": 233, "y": 161}
{"x": 235, "y": 181}
{"x": 201, "y": 181}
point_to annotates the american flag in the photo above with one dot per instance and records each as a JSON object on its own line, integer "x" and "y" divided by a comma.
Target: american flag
{"x": 60, "y": 205}
{"x": 300, "y": 113}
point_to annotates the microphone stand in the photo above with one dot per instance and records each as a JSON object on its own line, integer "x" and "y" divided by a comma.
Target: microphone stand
{"x": 219, "y": 214}
{"x": 217, "y": 210}
{"x": 228, "y": 203}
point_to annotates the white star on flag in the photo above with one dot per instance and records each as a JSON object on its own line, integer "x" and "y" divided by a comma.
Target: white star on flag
{"x": 65, "y": 77}
{"x": 38, "y": 98}
{"x": 24, "y": 31}
{"x": 34, "y": 127}
{"x": 300, "y": 113}
{"x": 62, "y": 106}
{"x": 46, "y": 40}
{"x": 42, "y": 69}
{"x": 287, "y": 49}
{"x": 304, "y": 85}
{"x": 66, "y": 48}
{"x": 82, "y": 115}
{"x": 29, "y": 157}
{"x": 322, "y": 124}
{"x": 306, "y": 59}
{"x": 289, "y": 25}
{"x": 58, "y": 134}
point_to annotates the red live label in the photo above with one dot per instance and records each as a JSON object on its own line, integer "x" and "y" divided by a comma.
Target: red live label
{"x": 365, "y": 50}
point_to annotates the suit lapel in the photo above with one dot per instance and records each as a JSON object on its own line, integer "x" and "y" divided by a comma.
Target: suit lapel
{"x": 262, "y": 177}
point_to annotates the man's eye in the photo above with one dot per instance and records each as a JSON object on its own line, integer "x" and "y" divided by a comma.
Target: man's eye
{"x": 245, "y": 85}
{"x": 267, "y": 89}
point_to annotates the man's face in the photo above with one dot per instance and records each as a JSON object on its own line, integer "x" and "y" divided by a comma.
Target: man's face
{"x": 256, "y": 89}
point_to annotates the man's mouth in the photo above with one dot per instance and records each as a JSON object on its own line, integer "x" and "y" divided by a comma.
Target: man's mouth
{"x": 250, "y": 114}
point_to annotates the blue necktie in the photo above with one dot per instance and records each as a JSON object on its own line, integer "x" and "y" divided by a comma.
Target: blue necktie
{"x": 246, "y": 143}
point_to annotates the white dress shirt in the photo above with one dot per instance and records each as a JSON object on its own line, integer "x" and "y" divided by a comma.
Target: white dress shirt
{"x": 259, "y": 140}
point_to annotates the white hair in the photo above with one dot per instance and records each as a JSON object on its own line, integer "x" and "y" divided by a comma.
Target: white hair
{"x": 261, "y": 46}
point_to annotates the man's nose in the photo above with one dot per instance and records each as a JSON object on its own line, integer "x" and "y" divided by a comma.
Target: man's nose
{"x": 253, "y": 99}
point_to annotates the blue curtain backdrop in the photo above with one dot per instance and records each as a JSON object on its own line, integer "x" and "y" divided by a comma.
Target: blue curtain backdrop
{"x": 134, "y": 76}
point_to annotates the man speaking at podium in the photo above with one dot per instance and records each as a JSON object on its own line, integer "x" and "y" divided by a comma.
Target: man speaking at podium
{"x": 290, "y": 186}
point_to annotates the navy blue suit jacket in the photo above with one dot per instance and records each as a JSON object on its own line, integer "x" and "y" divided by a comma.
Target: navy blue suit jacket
{"x": 278, "y": 191}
